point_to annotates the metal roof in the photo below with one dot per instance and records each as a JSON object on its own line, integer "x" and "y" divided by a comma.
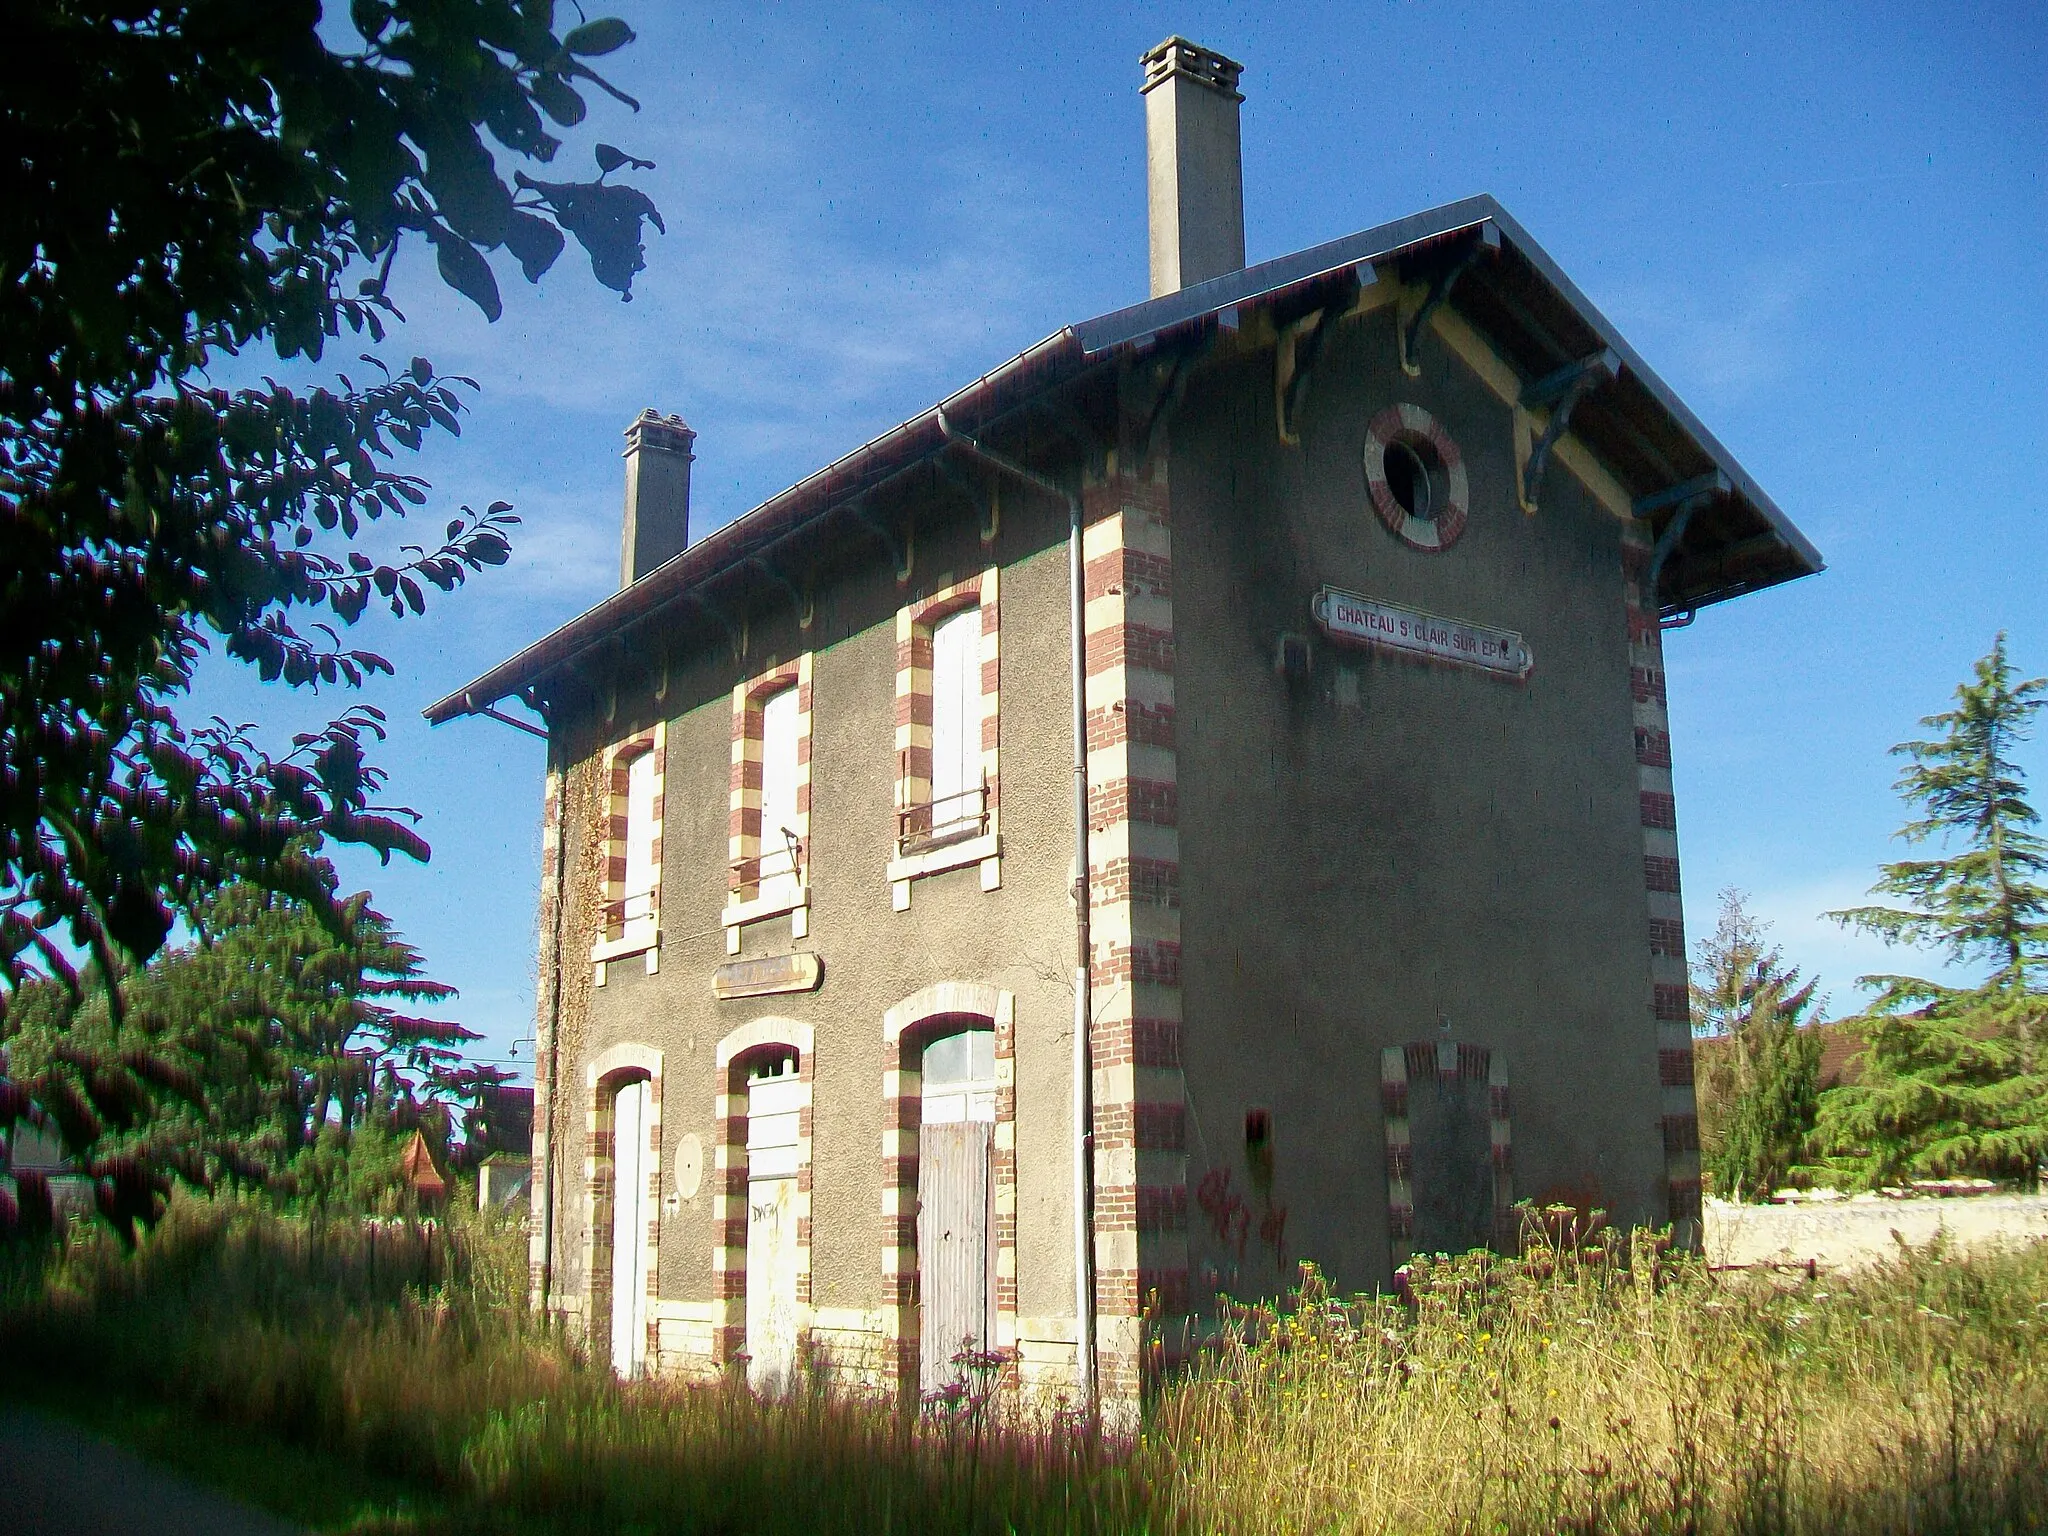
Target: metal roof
{"x": 1726, "y": 535}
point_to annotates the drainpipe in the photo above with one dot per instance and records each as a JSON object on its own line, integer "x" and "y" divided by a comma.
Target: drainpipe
{"x": 554, "y": 1020}
{"x": 1084, "y": 1226}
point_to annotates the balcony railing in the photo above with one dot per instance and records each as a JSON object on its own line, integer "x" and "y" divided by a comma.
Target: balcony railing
{"x": 620, "y": 915}
{"x": 779, "y": 864}
{"x": 948, "y": 819}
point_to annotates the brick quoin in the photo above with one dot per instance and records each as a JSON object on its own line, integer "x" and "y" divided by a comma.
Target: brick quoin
{"x": 1659, "y": 810}
{"x": 1653, "y": 748}
{"x": 1155, "y": 1042}
{"x": 1667, "y": 937}
{"x": 1130, "y": 572}
{"x": 1161, "y": 1127}
{"x": 1635, "y": 561}
{"x": 1660, "y": 873}
{"x": 1681, "y": 1133}
{"x": 1144, "y": 725}
{"x": 1647, "y": 684}
{"x": 1131, "y": 645}
{"x": 1162, "y": 1207}
{"x": 1671, "y": 1002}
{"x": 1674, "y": 1068}
{"x": 1146, "y": 801}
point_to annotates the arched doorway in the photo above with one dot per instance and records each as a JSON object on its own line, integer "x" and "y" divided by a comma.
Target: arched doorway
{"x": 956, "y": 1247}
{"x": 632, "y": 1220}
{"x": 776, "y": 1095}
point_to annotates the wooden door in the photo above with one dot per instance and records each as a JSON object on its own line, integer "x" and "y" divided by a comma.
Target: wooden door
{"x": 774, "y": 1097}
{"x": 955, "y": 1251}
{"x": 630, "y": 1215}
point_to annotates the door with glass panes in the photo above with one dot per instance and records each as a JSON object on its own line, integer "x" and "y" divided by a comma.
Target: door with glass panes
{"x": 955, "y": 1204}
{"x": 773, "y": 1110}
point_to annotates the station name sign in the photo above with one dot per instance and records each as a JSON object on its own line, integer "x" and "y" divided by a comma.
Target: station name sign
{"x": 1351, "y": 619}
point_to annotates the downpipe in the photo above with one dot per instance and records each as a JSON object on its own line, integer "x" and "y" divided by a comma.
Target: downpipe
{"x": 1084, "y": 1225}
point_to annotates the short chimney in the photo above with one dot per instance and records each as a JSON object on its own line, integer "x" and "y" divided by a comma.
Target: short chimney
{"x": 1194, "y": 166}
{"x": 658, "y": 460}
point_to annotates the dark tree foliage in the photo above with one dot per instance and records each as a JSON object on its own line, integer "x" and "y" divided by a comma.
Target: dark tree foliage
{"x": 1758, "y": 1071}
{"x": 184, "y": 181}
{"x": 273, "y": 1052}
{"x": 1953, "y": 1079}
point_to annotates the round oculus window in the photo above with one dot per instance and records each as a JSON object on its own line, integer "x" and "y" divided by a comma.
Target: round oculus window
{"x": 1416, "y": 478}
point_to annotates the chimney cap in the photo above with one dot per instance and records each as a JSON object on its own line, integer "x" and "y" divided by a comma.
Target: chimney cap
{"x": 651, "y": 429}
{"x": 1204, "y": 66}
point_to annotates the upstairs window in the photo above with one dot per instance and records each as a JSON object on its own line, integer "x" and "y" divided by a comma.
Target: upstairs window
{"x": 643, "y": 826}
{"x": 779, "y": 867}
{"x": 629, "y": 921}
{"x": 771, "y": 801}
{"x": 946, "y": 730}
{"x": 959, "y": 792}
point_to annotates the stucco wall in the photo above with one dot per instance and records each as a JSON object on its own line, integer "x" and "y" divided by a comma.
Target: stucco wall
{"x": 1018, "y": 938}
{"x": 1395, "y": 850}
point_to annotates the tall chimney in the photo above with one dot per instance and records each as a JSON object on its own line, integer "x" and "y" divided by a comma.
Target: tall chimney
{"x": 657, "y": 492}
{"x": 1194, "y": 167}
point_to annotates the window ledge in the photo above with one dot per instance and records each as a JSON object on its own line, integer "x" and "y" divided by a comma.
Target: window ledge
{"x": 633, "y": 941}
{"x": 739, "y": 913}
{"x": 971, "y": 850}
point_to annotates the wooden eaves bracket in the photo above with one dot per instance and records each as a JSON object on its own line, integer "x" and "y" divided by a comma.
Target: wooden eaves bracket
{"x": 1561, "y": 391}
{"x": 1439, "y": 291}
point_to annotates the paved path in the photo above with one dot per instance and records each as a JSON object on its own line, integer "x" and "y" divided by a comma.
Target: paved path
{"x": 58, "y": 1480}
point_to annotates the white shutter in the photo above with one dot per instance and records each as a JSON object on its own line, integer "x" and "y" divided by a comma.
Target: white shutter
{"x": 956, "y": 721}
{"x": 642, "y": 874}
{"x": 778, "y": 795}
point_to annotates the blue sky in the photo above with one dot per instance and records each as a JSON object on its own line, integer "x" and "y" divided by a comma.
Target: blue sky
{"x": 1823, "y": 225}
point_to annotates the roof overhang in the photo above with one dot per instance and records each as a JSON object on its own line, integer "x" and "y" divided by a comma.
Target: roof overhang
{"x": 1718, "y": 534}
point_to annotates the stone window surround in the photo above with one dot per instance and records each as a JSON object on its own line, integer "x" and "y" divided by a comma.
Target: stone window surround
{"x": 914, "y": 624}
{"x": 743, "y": 905}
{"x": 645, "y": 936}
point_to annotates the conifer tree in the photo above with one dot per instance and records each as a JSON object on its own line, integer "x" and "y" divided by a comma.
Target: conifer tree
{"x": 1952, "y": 1076}
{"x": 1759, "y": 1083}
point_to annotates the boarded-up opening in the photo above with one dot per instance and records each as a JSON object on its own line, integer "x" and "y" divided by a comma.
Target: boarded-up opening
{"x": 956, "y": 1200}
{"x": 1451, "y": 1126}
{"x": 1449, "y": 1174}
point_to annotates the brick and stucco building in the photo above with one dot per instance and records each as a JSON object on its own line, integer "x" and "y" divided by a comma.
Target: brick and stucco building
{"x": 1371, "y": 551}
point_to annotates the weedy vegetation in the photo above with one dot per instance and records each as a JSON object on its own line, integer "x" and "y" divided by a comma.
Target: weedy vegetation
{"x": 1593, "y": 1384}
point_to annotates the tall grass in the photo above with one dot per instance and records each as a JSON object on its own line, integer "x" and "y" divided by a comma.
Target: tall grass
{"x": 405, "y": 1349}
{"x": 1584, "y": 1387}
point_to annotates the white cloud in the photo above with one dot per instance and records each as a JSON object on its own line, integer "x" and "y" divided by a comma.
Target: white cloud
{"x": 1725, "y": 337}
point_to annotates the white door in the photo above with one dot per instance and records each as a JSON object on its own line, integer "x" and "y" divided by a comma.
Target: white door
{"x": 955, "y": 1215}
{"x": 956, "y": 724}
{"x": 778, "y": 796}
{"x": 632, "y": 1212}
{"x": 774, "y": 1096}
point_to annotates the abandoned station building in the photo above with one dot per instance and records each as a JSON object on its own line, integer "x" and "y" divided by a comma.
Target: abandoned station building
{"x": 1315, "y": 610}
